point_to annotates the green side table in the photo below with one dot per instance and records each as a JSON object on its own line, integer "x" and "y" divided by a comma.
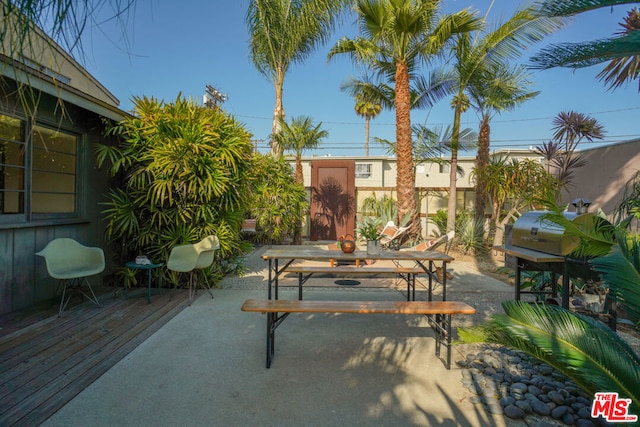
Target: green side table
{"x": 150, "y": 268}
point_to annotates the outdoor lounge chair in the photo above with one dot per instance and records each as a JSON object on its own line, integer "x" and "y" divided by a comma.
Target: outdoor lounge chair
{"x": 431, "y": 245}
{"x": 391, "y": 233}
{"x": 70, "y": 263}
{"x": 193, "y": 257}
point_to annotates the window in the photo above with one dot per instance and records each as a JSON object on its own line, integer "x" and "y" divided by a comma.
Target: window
{"x": 38, "y": 170}
{"x": 444, "y": 167}
{"x": 53, "y": 171}
{"x": 363, "y": 170}
{"x": 12, "y": 165}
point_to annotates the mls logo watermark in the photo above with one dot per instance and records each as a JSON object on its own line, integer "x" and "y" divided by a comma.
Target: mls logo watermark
{"x": 612, "y": 408}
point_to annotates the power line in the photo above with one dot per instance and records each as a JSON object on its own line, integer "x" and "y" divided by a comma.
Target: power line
{"x": 375, "y": 123}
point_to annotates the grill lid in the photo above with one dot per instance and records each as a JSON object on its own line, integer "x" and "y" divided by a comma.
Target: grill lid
{"x": 533, "y": 232}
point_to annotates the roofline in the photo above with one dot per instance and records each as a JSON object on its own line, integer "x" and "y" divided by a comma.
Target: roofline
{"x": 23, "y": 74}
{"x": 67, "y": 56}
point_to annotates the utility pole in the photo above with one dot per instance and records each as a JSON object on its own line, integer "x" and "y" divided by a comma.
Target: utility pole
{"x": 213, "y": 98}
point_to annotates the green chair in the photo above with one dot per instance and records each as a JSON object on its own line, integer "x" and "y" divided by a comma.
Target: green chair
{"x": 193, "y": 257}
{"x": 71, "y": 263}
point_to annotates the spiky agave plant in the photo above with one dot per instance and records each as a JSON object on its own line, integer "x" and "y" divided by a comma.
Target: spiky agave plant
{"x": 585, "y": 350}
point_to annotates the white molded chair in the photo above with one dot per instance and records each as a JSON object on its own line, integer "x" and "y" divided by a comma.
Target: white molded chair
{"x": 71, "y": 263}
{"x": 196, "y": 256}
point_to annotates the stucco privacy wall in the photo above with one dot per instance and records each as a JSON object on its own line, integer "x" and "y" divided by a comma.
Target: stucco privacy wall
{"x": 603, "y": 178}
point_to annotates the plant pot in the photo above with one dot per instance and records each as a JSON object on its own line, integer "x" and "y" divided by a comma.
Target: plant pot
{"x": 373, "y": 247}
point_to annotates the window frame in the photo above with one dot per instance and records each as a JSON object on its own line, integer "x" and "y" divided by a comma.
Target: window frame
{"x": 28, "y": 217}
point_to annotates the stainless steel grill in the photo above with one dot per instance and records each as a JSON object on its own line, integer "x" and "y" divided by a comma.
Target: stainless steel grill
{"x": 536, "y": 244}
{"x": 532, "y": 231}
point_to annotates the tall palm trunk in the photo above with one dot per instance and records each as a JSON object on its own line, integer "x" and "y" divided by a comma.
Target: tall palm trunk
{"x": 453, "y": 172}
{"x": 406, "y": 181}
{"x": 366, "y": 135}
{"x": 278, "y": 112}
{"x": 299, "y": 177}
{"x": 482, "y": 160}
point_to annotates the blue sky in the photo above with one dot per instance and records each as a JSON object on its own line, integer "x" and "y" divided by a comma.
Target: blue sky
{"x": 168, "y": 49}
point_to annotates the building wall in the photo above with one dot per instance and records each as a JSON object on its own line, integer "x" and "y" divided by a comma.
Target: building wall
{"x": 603, "y": 178}
{"x": 24, "y": 281}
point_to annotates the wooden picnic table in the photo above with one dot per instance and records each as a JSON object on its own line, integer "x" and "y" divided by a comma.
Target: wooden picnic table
{"x": 281, "y": 257}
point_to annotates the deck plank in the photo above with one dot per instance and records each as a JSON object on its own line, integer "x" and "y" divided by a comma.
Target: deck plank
{"x": 48, "y": 360}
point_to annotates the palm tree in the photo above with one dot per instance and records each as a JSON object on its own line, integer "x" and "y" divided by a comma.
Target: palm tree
{"x": 502, "y": 88}
{"x": 396, "y": 36}
{"x": 298, "y": 136}
{"x": 286, "y": 32}
{"x": 622, "y": 52}
{"x": 472, "y": 57}
{"x": 369, "y": 110}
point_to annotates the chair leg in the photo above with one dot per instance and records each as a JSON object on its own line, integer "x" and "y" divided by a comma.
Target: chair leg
{"x": 69, "y": 286}
{"x": 93, "y": 298}
{"x": 206, "y": 280}
{"x": 64, "y": 302}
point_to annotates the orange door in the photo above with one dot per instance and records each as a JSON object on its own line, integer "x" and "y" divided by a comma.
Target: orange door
{"x": 332, "y": 199}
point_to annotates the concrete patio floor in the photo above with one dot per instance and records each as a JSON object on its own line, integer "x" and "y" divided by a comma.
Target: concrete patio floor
{"x": 206, "y": 367}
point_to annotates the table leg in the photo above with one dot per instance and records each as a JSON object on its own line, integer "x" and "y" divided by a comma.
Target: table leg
{"x": 444, "y": 281}
{"x": 149, "y": 286}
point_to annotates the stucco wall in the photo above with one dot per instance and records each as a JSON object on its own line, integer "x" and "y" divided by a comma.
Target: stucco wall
{"x": 603, "y": 178}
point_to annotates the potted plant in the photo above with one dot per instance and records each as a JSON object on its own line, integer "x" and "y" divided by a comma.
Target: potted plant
{"x": 369, "y": 229}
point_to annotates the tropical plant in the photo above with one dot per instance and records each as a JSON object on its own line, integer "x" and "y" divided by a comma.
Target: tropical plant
{"x": 513, "y": 187}
{"x": 368, "y": 110}
{"x": 384, "y": 209}
{"x": 629, "y": 207}
{"x": 570, "y": 129}
{"x": 369, "y": 228}
{"x": 469, "y": 232}
{"x": 286, "y": 32}
{"x": 474, "y": 55}
{"x": 501, "y": 88}
{"x": 277, "y": 201}
{"x": 180, "y": 173}
{"x": 395, "y": 35}
{"x": 622, "y": 52}
{"x": 299, "y": 135}
{"x": 582, "y": 348}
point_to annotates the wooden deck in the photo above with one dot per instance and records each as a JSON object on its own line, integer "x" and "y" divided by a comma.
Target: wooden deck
{"x": 46, "y": 360}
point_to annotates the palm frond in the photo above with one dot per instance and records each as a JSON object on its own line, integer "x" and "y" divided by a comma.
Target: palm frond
{"x": 582, "y": 348}
{"x": 571, "y": 7}
{"x": 594, "y": 234}
{"x": 620, "y": 272}
{"x": 580, "y": 55}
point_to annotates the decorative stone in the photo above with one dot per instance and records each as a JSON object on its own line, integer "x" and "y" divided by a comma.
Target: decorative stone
{"x": 514, "y": 412}
{"x": 559, "y": 412}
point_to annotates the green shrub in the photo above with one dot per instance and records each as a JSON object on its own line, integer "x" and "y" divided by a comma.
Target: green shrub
{"x": 277, "y": 203}
{"x": 181, "y": 172}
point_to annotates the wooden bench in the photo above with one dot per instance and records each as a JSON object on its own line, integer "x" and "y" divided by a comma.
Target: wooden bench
{"x": 408, "y": 274}
{"x": 439, "y": 314}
